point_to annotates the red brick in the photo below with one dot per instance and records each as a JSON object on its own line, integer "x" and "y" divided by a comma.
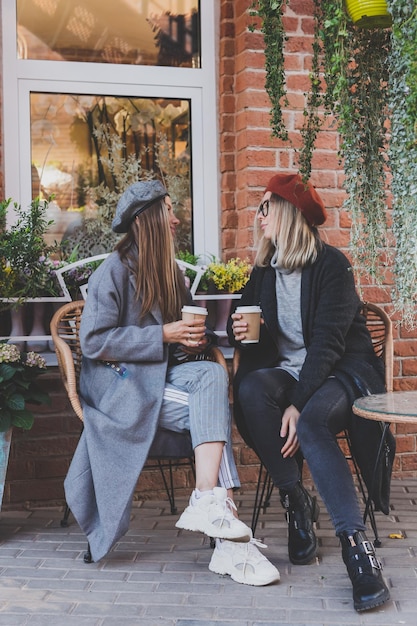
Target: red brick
{"x": 406, "y": 348}
{"x": 228, "y": 142}
{"x": 409, "y": 463}
{"x": 405, "y": 444}
{"x": 298, "y": 82}
{"x": 409, "y": 367}
{"x": 227, "y": 48}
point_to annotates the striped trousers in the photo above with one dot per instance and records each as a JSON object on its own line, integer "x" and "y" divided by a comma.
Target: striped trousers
{"x": 196, "y": 399}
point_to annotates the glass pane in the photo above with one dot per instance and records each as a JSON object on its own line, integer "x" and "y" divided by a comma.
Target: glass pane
{"x": 133, "y": 32}
{"x": 86, "y": 150}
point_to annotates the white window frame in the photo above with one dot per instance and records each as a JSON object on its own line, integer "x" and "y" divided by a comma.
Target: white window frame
{"x": 21, "y": 77}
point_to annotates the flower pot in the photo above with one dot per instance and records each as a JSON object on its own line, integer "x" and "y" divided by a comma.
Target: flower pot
{"x": 369, "y": 13}
{"x": 38, "y": 328}
{"x": 17, "y": 322}
{"x": 5, "y": 441}
{"x": 223, "y": 307}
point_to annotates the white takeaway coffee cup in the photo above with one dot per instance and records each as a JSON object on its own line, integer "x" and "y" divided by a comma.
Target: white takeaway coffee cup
{"x": 191, "y": 313}
{"x": 252, "y": 316}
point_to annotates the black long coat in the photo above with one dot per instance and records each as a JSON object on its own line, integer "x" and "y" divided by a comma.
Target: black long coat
{"x": 335, "y": 336}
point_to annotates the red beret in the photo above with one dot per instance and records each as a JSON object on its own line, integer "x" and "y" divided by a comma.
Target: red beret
{"x": 302, "y": 195}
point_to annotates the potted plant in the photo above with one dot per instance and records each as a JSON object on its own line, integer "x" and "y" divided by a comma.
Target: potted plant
{"x": 225, "y": 279}
{"x": 229, "y": 277}
{"x": 27, "y": 267}
{"x": 18, "y": 387}
{"x": 369, "y": 13}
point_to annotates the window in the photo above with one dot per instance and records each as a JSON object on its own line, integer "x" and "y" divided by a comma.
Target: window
{"x": 85, "y": 150}
{"x": 136, "y": 32}
{"x": 69, "y": 108}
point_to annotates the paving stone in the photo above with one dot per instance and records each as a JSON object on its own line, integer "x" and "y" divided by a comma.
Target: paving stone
{"x": 158, "y": 576}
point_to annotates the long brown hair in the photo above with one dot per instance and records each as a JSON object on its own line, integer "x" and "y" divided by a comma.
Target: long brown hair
{"x": 148, "y": 249}
{"x": 294, "y": 242}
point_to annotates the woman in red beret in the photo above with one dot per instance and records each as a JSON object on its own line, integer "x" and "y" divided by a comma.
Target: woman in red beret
{"x": 294, "y": 389}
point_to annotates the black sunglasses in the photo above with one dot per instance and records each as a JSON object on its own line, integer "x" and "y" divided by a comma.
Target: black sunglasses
{"x": 263, "y": 208}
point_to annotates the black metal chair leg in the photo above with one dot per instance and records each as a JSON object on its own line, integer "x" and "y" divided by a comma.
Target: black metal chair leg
{"x": 259, "y": 496}
{"x": 64, "y": 521}
{"x": 87, "y": 558}
{"x": 168, "y": 488}
{"x": 269, "y": 490}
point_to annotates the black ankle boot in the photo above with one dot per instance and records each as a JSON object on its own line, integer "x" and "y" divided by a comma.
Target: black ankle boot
{"x": 301, "y": 511}
{"x": 364, "y": 569}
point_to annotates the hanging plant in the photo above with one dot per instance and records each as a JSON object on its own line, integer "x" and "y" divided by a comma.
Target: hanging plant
{"x": 363, "y": 149}
{"x": 367, "y": 79}
{"x": 355, "y": 67}
{"x": 272, "y": 28}
{"x": 312, "y": 118}
{"x": 403, "y": 154}
{"x": 349, "y": 81}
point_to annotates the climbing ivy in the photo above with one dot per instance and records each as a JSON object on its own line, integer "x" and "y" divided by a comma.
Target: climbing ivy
{"x": 367, "y": 79}
{"x": 272, "y": 28}
{"x": 403, "y": 154}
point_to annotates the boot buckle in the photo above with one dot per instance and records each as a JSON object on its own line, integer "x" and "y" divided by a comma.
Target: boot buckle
{"x": 368, "y": 547}
{"x": 374, "y": 562}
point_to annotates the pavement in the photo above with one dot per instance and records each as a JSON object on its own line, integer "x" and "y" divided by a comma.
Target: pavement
{"x": 157, "y": 575}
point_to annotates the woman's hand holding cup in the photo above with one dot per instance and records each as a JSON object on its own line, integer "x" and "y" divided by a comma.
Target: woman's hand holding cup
{"x": 195, "y": 318}
{"x": 246, "y": 323}
{"x": 189, "y": 334}
{"x": 190, "y": 330}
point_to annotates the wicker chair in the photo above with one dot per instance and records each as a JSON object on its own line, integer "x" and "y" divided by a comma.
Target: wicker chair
{"x": 380, "y": 328}
{"x": 169, "y": 449}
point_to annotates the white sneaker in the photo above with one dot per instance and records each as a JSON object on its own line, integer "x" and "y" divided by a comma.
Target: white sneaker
{"x": 212, "y": 514}
{"x": 243, "y": 562}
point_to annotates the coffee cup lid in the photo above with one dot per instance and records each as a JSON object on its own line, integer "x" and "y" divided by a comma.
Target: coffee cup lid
{"x": 248, "y": 309}
{"x": 197, "y": 310}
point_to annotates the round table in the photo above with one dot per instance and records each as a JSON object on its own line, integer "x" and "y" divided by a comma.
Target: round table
{"x": 393, "y": 407}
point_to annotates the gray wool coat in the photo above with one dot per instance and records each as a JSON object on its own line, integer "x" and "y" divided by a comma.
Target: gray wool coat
{"x": 121, "y": 408}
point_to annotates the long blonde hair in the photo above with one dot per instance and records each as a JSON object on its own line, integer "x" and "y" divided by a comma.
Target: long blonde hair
{"x": 148, "y": 249}
{"x": 294, "y": 242}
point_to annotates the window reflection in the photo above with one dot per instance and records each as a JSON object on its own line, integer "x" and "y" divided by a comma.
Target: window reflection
{"x": 133, "y": 32}
{"x": 86, "y": 150}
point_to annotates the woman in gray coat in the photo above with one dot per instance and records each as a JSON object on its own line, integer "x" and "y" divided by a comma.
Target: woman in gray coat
{"x": 136, "y": 375}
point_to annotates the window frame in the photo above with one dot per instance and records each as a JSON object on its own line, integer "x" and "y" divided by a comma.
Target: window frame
{"x": 199, "y": 85}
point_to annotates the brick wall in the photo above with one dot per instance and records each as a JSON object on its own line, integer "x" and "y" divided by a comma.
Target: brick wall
{"x": 248, "y": 157}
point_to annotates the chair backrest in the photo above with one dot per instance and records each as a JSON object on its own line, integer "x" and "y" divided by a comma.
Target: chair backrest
{"x": 65, "y": 331}
{"x": 62, "y": 274}
{"x": 380, "y": 328}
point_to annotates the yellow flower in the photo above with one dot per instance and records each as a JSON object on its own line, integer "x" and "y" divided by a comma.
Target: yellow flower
{"x": 231, "y": 276}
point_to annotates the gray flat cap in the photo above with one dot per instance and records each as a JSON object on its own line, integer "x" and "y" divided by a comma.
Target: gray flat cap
{"x": 134, "y": 200}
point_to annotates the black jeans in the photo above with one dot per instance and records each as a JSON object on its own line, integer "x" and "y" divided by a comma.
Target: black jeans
{"x": 263, "y": 397}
